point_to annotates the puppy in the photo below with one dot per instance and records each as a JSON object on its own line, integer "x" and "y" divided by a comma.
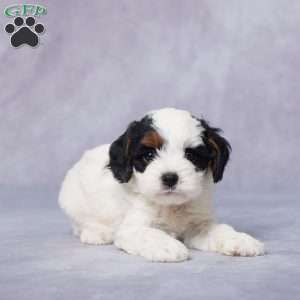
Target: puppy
{"x": 150, "y": 191}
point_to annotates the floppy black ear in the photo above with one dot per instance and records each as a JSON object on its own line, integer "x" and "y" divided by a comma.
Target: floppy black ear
{"x": 219, "y": 147}
{"x": 120, "y": 160}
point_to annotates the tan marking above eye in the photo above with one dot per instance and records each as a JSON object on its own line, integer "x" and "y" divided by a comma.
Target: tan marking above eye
{"x": 152, "y": 139}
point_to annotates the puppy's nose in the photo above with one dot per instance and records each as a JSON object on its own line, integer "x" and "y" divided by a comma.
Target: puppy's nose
{"x": 169, "y": 179}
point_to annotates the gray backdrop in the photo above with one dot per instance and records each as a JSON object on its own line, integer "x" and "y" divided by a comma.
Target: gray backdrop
{"x": 101, "y": 64}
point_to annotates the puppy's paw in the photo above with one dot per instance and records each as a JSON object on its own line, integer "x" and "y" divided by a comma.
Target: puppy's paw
{"x": 241, "y": 244}
{"x": 170, "y": 250}
{"x": 96, "y": 237}
{"x": 153, "y": 245}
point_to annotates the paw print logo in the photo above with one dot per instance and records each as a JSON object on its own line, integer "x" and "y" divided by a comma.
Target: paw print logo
{"x": 24, "y": 33}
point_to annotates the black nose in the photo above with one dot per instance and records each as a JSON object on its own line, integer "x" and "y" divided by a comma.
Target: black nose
{"x": 169, "y": 179}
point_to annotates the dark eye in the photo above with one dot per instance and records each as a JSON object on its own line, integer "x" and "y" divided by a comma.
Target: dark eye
{"x": 198, "y": 156}
{"x": 191, "y": 156}
{"x": 148, "y": 155}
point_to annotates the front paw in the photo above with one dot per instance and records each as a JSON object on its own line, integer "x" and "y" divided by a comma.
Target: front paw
{"x": 241, "y": 244}
{"x": 153, "y": 245}
{"x": 166, "y": 251}
{"x": 95, "y": 237}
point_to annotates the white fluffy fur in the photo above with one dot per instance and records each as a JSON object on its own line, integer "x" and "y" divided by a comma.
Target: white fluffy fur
{"x": 139, "y": 217}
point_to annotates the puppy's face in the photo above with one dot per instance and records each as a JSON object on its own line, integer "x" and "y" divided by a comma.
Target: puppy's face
{"x": 170, "y": 157}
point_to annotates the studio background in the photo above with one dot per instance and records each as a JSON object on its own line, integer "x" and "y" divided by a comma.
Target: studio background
{"x": 102, "y": 64}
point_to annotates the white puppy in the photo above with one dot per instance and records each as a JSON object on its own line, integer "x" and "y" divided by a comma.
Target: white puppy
{"x": 150, "y": 191}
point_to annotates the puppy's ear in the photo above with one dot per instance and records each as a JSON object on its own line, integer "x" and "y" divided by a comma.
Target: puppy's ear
{"x": 120, "y": 159}
{"x": 219, "y": 147}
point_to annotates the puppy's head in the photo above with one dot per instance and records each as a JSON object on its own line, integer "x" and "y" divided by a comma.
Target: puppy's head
{"x": 170, "y": 157}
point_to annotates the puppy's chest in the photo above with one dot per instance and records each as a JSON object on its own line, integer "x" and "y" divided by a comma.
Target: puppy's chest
{"x": 175, "y": 220}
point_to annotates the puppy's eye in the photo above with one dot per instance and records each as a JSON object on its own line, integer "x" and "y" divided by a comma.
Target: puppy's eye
{"x": 191, "y": 156}
{"x": 198, "y": 156}
{"x": 148, "y": 155}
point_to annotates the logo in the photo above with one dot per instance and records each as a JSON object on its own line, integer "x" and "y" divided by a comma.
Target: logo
{"x": 24, "y": 30}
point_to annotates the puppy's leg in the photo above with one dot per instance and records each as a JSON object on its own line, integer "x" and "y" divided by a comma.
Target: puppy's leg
{"x": 95, "y": 234}
{"x": 224, "y": 239}
{"x": 135, "y": 236}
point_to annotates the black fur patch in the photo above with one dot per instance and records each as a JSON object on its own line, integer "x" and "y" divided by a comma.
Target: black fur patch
{"x": 218, "y": 147}
{"x": 128, "y": 152}
{"x": 200, "y": 156}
